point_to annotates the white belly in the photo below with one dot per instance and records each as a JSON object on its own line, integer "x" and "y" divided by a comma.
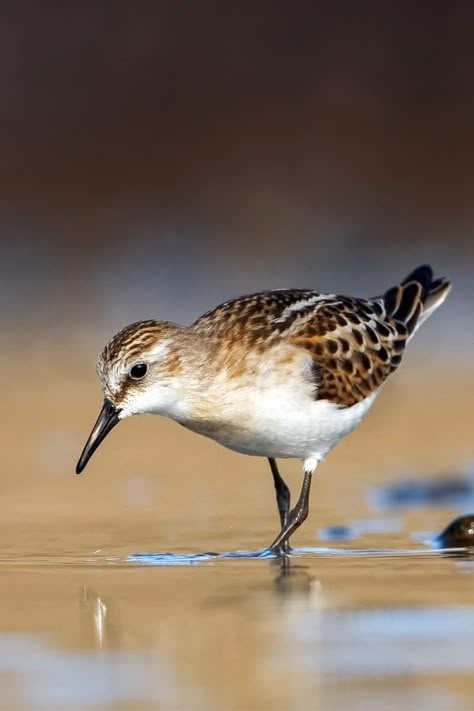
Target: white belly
{"x": 276, "y": 427}
{"x": 272, "y": 411}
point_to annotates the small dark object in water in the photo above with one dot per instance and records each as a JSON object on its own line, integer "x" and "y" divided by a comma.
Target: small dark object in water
{"x": 458, "y": 534}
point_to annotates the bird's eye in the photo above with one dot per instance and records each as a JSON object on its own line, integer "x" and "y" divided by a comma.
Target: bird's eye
{"x": 138, "y": 371}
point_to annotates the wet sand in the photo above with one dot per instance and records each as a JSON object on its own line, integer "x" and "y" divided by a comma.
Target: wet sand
{"x": 84, "y": 626}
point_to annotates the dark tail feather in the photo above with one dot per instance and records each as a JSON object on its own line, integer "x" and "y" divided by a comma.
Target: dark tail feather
{"x": 415, "y": 299}
{"x": 423, "y": 275}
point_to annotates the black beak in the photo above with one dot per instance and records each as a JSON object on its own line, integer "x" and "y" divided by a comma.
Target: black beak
{"x": 108, "y": 418}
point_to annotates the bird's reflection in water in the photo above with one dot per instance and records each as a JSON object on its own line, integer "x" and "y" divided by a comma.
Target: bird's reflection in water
{"x": 294, "y": 581}
{"x": 290, "y": 580}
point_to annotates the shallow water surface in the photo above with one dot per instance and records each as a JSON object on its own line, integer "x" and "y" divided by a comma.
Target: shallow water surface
{"x": 121, "y": 589}
{"x": 332, "y": 628}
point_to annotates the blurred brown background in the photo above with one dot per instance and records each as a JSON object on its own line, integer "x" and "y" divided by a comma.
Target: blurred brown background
{"x": 156, "y": 158}
{"x": 160, "y": 157}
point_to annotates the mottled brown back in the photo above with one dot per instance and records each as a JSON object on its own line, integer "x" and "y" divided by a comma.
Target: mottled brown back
{"x": 355, "y": 343}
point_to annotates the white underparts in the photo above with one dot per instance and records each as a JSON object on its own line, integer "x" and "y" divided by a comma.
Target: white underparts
{"x": 310, "y": 464}
{"x": 278, "y": 416}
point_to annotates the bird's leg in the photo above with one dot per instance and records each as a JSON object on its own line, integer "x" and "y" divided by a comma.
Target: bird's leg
{"x": 283, "y": 500}
{"x": 296, "y": 517}
{"x": 282, "y": 493}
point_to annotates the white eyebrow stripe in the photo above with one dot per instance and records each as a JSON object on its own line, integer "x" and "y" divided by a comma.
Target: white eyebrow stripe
{"x": 158, "y": 350}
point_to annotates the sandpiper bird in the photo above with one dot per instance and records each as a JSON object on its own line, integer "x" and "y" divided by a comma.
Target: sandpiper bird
{"x": 284, "y": 373}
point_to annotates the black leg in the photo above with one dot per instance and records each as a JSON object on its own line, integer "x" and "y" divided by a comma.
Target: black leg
{"x": 283, "y": 500}
{"x": 282, "y": 493}
{"x": 296, "y": 517}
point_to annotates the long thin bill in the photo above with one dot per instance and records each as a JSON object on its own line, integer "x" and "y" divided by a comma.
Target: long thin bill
{"x": 108, "y": 418}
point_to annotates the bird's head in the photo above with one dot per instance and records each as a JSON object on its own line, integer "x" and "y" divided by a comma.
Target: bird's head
{"x": 140, "y": 371}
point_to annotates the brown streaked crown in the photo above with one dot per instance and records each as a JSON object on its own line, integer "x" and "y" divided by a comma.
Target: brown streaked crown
{"x": 131, "y": 341}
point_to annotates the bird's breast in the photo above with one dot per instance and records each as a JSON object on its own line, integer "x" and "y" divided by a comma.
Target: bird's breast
{"x": 278, "y": 422}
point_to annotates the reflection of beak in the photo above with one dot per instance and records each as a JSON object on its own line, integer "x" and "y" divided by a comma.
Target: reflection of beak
{"x": 108, "y": 418}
